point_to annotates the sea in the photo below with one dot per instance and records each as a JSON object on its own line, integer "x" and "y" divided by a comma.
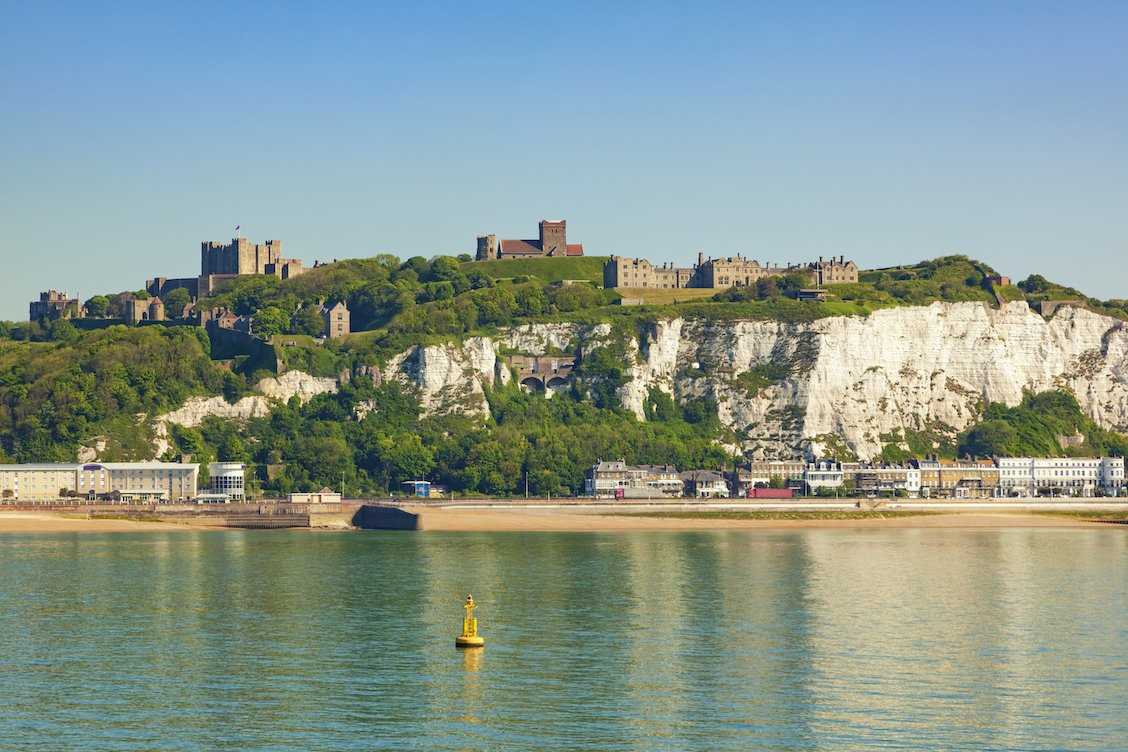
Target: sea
{"x": 802, "y": 639}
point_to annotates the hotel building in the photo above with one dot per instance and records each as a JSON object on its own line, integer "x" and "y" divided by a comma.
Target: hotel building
{"x": 124, "y": 481}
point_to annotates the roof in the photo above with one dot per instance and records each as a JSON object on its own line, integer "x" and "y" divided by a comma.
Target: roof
{"x": 703, "y": 476}
{"x": 42, "y": 467}
{"x": 530, "y": 247}
{"x": 145, "y": 465}
{"x": 575, "y": 249}
{"x": 64, "y": 466}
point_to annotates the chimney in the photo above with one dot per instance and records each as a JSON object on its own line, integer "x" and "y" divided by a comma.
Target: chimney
{"x": 700, "y": 258}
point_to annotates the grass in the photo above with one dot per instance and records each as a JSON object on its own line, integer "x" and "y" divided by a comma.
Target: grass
{"x": 660, "y": 296}
{"x": 545, "y": 269}
{"x": 818, "y": 514}
{"x": 1095, "y": 515}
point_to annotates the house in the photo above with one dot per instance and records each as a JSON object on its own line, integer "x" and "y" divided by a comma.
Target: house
{"x": 618, "y": 480}
{"x": 761, "y": 473}
{"x": 337, "y": 320}
{"x": 823, "y": 474}
{"x": 1060, "y": 476}
{"x": 957, "y": 479}
{"x": 887, "y": 479}
{"x": 705, "y": 484}
{"x": 324, "y": 496}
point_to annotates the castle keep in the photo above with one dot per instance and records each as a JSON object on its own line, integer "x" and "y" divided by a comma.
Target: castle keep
{"x": 552, "y": 241}
{"x": 220, "y": 262}
{"x": 719, "y": 273}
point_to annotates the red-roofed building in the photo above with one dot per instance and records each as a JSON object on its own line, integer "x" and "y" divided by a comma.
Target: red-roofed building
{"x": 552, "y": 242}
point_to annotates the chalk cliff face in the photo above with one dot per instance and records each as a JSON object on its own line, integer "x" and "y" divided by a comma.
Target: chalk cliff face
{"x": 289, "y": 384}
{"x": 787, "y": 388}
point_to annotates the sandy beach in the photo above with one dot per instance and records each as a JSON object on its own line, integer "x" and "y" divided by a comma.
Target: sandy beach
{"x": 525, "y": 519}
{"x": 50, "y": 522}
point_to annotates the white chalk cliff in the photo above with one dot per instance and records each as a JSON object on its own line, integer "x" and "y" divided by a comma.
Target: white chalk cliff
{"x": 929, "y": 368}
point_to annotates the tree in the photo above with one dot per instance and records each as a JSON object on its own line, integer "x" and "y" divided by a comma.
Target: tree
{"x": 61, "y": 330}
{"x": 989, "y": 439}
{"x": 175, "y": 302}
{"x": 271, "y": 321}
{"x": 766, "y": 288}
{"x": 98, "y": 306}
{"x": 308, "y": 320}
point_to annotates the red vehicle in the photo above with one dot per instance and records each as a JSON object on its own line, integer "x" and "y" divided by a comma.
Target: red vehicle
{"x": 770, "y": 493}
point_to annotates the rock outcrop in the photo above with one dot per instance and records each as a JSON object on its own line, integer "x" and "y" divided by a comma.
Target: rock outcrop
{"x": 788, "y": 388}
{"x": 784, "y": 388}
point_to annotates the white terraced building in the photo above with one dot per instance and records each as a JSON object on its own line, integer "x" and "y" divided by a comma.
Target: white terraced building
{"x": 1060, "y": 476}
{"x": 126, "y": 481}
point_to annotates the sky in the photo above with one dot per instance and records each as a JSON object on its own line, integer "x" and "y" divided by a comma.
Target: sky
{"x": 887, "y": 132}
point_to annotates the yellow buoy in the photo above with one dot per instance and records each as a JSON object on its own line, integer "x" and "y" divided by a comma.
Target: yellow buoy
{"x": 469, "y": 637}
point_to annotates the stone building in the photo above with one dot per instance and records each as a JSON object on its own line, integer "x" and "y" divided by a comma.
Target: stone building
{"x": 138, "y": 310}
{"x": 736, "y": 271}
{"x": 719, "y": 273}
{"x": 833, "y": 271}
{"x": 160, "y": 287}
{"x": 54, "y": 305}
{"x": 551, "y": 241}
{"x": 543, "y": 373}
{"x": 640, "y": 273}
{"x": 222, "y": 261}
{"x": 337, "y": 320}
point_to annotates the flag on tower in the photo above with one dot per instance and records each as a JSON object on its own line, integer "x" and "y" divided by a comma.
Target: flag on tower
{"x": 237, "y": 228}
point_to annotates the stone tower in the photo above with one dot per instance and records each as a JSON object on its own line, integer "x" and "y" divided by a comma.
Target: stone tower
{"x": 553, "y": 237}
{"x": 487, "y": 247}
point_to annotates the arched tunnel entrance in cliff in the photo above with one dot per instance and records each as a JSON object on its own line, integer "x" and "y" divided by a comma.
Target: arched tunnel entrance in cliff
{"x": 532, "y": 384}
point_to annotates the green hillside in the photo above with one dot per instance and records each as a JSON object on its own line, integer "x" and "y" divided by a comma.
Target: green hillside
{"x": 547, "y": 270}
{"x": 67, "y": 386}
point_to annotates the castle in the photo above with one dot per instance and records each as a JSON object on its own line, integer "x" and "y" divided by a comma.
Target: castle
{"x": 220, "y": 262}
{"x": 54, "y": 305}
{"x": 552, "y": 241}
{"x": 720, "y": 273}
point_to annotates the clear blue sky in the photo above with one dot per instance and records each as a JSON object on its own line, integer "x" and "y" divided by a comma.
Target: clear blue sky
{"x": 886, "y": 131}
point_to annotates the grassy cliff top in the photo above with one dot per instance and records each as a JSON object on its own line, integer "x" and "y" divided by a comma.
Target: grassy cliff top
{"x": 547, "y": 270}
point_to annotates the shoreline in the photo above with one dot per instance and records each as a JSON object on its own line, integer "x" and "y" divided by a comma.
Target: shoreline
{"x": 532, "y": 519}
{"x": 557, "y": 520}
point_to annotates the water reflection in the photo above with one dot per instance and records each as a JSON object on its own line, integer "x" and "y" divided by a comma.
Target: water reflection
{"x": 699, "y": 641}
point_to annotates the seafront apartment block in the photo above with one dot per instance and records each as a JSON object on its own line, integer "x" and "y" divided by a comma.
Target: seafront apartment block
{"x": 119, "y": 481}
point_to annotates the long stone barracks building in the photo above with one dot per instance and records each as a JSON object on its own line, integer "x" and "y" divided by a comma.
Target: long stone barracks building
{"x": 551, "y": 241}
{"x": 119, "y": 481}
{"x": 720, "y": 273}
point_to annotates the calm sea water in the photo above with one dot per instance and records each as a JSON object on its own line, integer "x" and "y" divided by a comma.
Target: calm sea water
{"x": 821, "y": 639}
